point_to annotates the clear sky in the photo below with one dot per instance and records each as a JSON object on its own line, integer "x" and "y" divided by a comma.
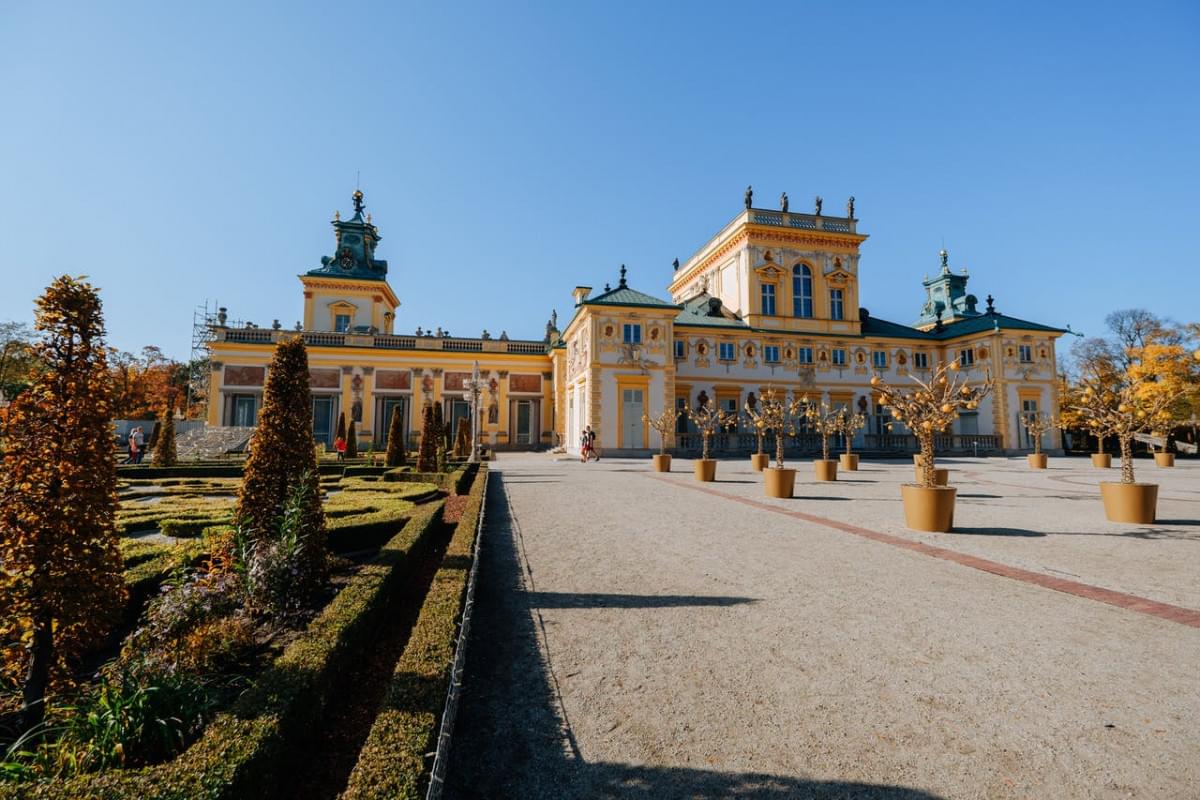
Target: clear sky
{"x": 509, "y": 151}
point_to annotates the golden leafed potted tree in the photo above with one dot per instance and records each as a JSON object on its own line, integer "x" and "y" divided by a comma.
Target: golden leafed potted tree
{"x": 708, "y": 420}
{"x": 664, "y": 425}
{"x": 754, "y": 415}
{"x": 1037, "y": 425}
{"x": 779, "y": 416}
{"x": 1125, "y": 409}
{"x": 1171, "y": 377}
{"x": 926, "y": 409}
{"x": 849, "y": 423}
{"x": 824, "y": 421}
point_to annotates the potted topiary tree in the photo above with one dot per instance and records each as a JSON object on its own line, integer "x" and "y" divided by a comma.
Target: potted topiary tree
{"x": 1126, "y": 409}
{"x": 1037, "y": 424}
{"x": 927, "y": 409}
{"x": 849, "y": 423}
{"x": 760, "y": 458}
{"x": 664, "y": 424}
{"x": 779, "y": 415}
{"x": 824, "y": 420}
{"x": 708, "y": 419}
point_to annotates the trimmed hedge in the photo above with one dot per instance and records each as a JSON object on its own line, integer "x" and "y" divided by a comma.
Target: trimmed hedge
{"x": 392, "y": 762}
{"x": 205, "y": 470}
{"x": 244, "y": 751}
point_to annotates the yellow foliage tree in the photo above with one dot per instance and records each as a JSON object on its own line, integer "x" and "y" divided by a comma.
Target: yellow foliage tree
{"x": 849, "y": 423}
{"x": 779, "y": 416}
{"x": 709, "y": 419}
{"x": 664, "y": 424}
{"x": 60, "y": 582}
{"x": 1167, "y": 380}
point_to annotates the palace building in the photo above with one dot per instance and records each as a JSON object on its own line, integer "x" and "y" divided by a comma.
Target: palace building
{"x": 772, "y": 300}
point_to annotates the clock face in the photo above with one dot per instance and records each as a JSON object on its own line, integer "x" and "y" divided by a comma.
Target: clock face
{"x": 347, "y": 258}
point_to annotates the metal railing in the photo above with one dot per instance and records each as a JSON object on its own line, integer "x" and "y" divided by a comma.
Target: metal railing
{"x": 806, "y": 443}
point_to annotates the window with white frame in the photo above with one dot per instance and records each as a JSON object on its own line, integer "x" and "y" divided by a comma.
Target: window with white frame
{"x": 726, "y": 351}
{"x": 633, "y": 333}
{"x": 921, "y": 360}
{"x": 966, "y": 357}
{"x": 1025, "y": 353}
{"x": 802, "y": 291}
{"x": 879, "y": 359}
{"x": 837, "y": 304}
{"x": 341, "y": 322}
{"x": 768, "y": 299}
{"x": 804, "y": 355}
{"x": 771, "y": 354}
{"x": 680, "y": 348}
{"x": 838, "y": 356}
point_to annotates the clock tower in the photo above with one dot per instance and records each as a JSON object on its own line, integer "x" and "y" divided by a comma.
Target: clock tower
{"x": 349, "y": 292}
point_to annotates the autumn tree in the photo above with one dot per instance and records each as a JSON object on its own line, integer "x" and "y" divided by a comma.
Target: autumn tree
{"x": 779, "y": 415}
{"x": 165, "y": 453}
{"x": 18, "y": 360}
{"x": 427, "y": 453}
{"x": 283, "y": 464}
{"x": 140, "y": 380}
{"x": 396, "y": 455}
{"x": 60, "y": 586}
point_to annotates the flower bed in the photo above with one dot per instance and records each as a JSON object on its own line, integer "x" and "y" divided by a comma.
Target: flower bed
{"x": 392, "y": 762}
{"x": 243, "y": 751}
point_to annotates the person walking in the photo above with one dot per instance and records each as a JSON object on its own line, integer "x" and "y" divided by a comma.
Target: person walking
{"x": 139, "y": 439}
{"x": 592, "y": 451}
{"x": 339, "y": 445}
{"x": 584, "y": 441}
{"x": 131, "y": 445}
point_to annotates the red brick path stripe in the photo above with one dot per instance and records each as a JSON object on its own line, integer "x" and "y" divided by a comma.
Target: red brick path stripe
{"x": 1171, "y": 613}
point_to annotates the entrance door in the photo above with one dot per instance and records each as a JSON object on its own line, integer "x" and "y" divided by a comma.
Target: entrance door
{"x": 524, "y": 422}
{"x": 1029, "y": 408}
{"x": 322, "y": 410}
{"x": 631, "y": 418}
{"x": 458, "y": 409}
{"x": 387, "y": 407}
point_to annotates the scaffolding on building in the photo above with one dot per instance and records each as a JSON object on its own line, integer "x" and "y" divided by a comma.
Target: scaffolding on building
{"x": 204, "y": 319}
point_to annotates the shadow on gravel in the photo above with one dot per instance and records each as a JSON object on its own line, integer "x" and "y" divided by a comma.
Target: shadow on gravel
{"x": 596, "y": 600}
{"x": 961, "y": 495}
{"x": 512, "y": 739}
{"x": 997, "y": 531}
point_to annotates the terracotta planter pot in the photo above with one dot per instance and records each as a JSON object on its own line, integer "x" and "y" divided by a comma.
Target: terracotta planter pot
{"x": 759, "y": 461}
{"x": 825, "y": 470}
{"x": 941, "y": 475}
{"x": 848, "y": 462}
{"x": 779, "y": 482}
{"x": 1129, "y": 502}
{"x": 929, "y": 509}
{"x": 1101, "y": 460}
{"x": 1037, "y": 460}
{"x": 662, "y": 463}
{"x": 1164, "y": 459}
{"x": 705, "y": 469}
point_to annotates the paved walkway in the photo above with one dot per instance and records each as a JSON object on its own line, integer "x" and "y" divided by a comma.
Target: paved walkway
{"x": 645, "y": 636}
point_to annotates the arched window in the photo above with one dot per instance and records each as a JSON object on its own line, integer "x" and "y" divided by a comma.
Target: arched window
{"x": 802, "y": 305}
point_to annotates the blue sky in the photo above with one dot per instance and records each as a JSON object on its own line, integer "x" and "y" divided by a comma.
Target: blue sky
{"x": 509, "y": 151}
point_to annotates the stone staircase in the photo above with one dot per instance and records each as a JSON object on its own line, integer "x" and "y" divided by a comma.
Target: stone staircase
{"x": 212, "y": 442}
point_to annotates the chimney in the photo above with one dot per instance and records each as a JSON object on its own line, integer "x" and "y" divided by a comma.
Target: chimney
{"x": 580, "y": 294}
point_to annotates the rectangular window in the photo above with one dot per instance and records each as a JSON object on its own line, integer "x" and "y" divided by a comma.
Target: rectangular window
{"x": 921, "y": 360}
{"x": 680, "y": 348}
{"x": 341, "y": 323}
{"x": 836, "y": 304}
{"x": 879, "y": 359}
{"x": 633, "y": 333}
{"x": 768, "y": 299}
{"x": 1026, "y": 353}
{"x": 771, "y": 354}
{"x": 966, "y": 357}
{"x": 805, "y": 355}
{"x": 839, "y": 358}
{"x": 726, "y": 353}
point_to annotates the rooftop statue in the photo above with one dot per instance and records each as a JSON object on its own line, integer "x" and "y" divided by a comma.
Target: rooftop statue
{"x": 817, "y": 201}
{"x": 783, "y": 202}
{"x": 850, "y": 207}
{"x": 749, "y": 196}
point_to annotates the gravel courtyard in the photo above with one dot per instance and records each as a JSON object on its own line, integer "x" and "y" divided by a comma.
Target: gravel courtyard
{"x": 646, "y": 636}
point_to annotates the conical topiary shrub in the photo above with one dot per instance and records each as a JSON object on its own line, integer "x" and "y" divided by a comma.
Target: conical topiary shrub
{"x": 341, "y": 427}
{"x": 427, "y": 455}
{"x": 352, "y": 441}
{"x": 282, "y": 458}
{"x": 395, "y": 441}
{"x": 165, "y": 454}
